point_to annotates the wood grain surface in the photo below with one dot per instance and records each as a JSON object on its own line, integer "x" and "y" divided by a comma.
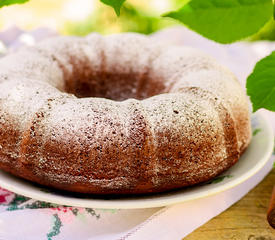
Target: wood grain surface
{"x": 245, "y": 220}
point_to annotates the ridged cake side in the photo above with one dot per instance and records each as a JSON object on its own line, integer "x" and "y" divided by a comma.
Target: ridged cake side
{"x": 174, "y": 117}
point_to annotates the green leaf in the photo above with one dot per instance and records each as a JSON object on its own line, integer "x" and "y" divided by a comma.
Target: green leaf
{"x": 116, "y": 4}
{"x": 260, "y": 85}
{"x": 256, "y": 131}
{"x": 10, "y": 2}
{"x": 224, "y": 21}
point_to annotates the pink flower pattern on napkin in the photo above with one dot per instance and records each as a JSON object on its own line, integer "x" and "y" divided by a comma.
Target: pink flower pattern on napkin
{"x": 60, "y": 214}
{"x": 6, "y": 196}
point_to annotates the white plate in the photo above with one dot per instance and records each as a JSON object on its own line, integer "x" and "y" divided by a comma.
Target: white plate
{"x": 254, "y": 158}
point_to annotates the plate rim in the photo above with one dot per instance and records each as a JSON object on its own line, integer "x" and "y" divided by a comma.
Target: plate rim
{"x": 149, "y": 203}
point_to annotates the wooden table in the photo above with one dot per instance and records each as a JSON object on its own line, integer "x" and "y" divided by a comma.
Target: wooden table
{"x": 245, "y": 220}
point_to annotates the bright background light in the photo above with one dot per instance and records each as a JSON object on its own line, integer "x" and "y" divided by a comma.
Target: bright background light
{"x": 48, "y": 13}
{"x": 78, "y": 9}
{"x": 81, "y": 16}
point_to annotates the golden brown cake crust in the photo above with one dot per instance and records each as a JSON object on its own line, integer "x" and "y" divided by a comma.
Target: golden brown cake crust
{"x": 119, "y": 114}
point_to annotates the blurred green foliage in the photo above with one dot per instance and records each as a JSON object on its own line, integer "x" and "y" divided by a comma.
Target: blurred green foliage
{"x": 136, "y": 19}
{"x": 132, "y": 19}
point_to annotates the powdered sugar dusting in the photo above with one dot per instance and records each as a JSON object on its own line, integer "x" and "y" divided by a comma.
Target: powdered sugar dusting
{"x": 193, "y": 129}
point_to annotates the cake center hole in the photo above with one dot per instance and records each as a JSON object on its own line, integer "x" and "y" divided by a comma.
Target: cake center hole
{"x": 112, "y": 86}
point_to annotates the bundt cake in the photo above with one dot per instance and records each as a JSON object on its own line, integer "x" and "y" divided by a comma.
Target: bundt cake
{"x": 120, "y": 114}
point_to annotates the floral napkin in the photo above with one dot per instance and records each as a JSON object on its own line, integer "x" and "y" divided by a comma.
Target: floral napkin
{"x": 22, "y": 218}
